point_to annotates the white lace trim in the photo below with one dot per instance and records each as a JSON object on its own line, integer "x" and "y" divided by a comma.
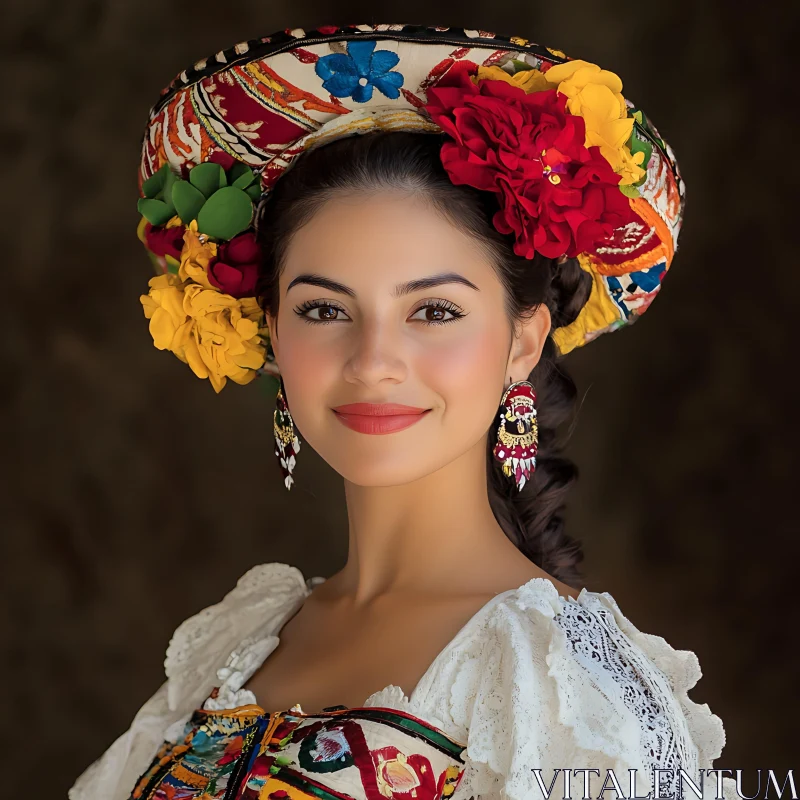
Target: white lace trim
{"x": 263, "y": 599}
{"x": 240, "y": 666}
{"x": 594, "y": 639}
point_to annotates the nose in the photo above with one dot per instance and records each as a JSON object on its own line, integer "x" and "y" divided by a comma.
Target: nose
{"x": 376, "y": 356}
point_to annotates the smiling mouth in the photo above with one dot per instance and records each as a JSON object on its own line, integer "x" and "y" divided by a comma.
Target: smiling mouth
{"x": 378, "y": 418}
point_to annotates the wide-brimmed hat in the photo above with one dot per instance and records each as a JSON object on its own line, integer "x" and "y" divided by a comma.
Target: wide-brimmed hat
{"x": 578, "y": 170}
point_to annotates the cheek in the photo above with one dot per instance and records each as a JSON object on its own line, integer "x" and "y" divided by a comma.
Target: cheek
{"x": 309, "y": 371}
{"x": 467, "y": 372}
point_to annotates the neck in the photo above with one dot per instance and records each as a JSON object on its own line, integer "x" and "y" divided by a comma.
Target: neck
{"x": 437, "y": 532}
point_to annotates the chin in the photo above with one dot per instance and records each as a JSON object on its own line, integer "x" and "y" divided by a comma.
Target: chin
{"x": 388, "y": 460}
{"x": 380, "y": 472}
{"x": 384, "y": 464}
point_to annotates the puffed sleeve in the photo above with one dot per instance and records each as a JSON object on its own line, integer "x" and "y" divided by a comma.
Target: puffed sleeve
{"x": 112, "y": 775}
{"x": 547, "y": 686}
{"x": 262, "y": 599}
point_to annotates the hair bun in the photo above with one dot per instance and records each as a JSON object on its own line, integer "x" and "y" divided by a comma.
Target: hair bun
{"x": 570, "y": 287}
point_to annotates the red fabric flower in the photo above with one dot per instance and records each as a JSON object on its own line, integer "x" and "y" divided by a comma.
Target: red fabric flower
{"x": 556, "y": 196}
{"x": 235, "y": 269}
{"x": 225, "y": 160}
{"x": 164, "y": 241}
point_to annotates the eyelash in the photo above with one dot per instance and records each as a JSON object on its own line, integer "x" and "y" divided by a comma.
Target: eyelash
{"x": 446, "y": 305}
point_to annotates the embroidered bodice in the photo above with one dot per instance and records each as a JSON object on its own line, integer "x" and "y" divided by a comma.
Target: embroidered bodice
{"x": 532, "y": 682}
{"x": 341, "y": 753}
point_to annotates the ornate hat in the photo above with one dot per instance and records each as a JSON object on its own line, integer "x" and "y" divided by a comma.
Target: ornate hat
{"x": 578, "y": 170}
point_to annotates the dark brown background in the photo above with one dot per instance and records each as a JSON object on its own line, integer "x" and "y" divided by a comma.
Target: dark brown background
{"x": 133, "y": 496}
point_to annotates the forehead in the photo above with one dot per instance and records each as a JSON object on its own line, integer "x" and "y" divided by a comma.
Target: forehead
{"x": 386, "y": 234}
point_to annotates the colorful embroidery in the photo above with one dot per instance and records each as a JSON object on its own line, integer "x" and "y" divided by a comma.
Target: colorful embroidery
{"x": 246, "y": 754}
{"x": 354, "y": 75}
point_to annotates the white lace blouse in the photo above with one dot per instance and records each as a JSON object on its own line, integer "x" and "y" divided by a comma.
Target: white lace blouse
{"x": 532, "y": 681}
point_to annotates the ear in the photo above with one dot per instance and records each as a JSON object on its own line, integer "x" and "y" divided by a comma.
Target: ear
{"x": 272, "y": 325}
{"x": 530, "y": 335}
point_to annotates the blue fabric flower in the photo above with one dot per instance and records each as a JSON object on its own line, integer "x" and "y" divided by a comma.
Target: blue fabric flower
{"x": 354, "y": 75}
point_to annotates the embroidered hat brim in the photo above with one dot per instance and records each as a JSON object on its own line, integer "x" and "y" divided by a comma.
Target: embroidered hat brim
{"x": 264, "y": 102}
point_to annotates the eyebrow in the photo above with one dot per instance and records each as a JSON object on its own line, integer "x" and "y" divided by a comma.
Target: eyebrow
{"x": 400, "y": 290}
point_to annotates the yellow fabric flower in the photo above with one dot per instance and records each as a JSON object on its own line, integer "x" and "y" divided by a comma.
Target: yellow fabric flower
{"x": 196, "y": 255}
{"x": 530, "y": 80}
{"x": 163, "y": 306}
{"x": 218, "y": 336}
{"x": 222, "y": 339}
{"x": 594, "y": 94}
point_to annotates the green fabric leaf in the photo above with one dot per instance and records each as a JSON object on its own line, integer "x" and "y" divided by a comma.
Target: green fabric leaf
{"x": 156, "y": 212}
{"x": 156, "y": 266}
{"x": 244, "y": 180}
{"x": 206, "y": 177}
{"x": 153, "y": 185}
{"x": 236, "y": 171}
{"x": 638, "y": 144}
{"x": 254, "y": 192}
{"x": 166, "y": 190}
{"x": 521, "y": 66}
{"x": 172, "y": 264}
{"x": 188, "y": 200}
{"x": 629, "y": 191}
{"x": 227, "y": 212}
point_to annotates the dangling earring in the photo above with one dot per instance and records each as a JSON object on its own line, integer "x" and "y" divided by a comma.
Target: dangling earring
{"x": 518, "y": 433}
{"x": 287, "y": 444}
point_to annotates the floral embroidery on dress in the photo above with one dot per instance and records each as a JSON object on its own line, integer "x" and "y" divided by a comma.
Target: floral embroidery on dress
{"x": 357, "y": 753}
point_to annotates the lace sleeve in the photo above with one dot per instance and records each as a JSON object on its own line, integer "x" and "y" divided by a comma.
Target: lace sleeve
{"x": 261, "y": 600}
{"x": 694, "y": 735}
{"x": 550, "y": 685}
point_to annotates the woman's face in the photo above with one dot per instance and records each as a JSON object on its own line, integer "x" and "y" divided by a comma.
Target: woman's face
{"x": 383, "y": 302}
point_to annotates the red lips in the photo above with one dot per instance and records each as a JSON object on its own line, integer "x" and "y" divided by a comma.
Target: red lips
{"x": 378, "y": 418}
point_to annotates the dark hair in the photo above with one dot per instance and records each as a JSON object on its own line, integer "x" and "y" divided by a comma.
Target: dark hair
{"x": 532, "y": 518}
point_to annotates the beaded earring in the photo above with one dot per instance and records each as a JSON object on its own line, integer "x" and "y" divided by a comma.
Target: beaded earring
{"x": 518, "y": 433}
{"x": 287, "y": 444}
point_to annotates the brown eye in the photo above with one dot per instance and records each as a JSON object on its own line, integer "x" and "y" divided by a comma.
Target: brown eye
{"x": 328, "y": 312}
{"x": 322, "y": 313}
{"x": 438, "y": 312}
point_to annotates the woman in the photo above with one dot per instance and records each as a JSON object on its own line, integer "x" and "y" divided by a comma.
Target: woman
{"x": 410, "y": 226}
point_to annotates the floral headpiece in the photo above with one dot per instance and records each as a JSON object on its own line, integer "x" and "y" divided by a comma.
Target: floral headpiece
{"x": 578, "y": 170}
